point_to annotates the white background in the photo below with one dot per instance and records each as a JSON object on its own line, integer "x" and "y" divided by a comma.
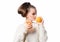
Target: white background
{"x": 10, "y": 19}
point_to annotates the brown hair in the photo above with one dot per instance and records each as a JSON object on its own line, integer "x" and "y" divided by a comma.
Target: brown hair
{"x": 24, "y": 9}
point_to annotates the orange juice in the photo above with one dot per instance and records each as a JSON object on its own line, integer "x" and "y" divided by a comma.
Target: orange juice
{"x": 38, "y": 19}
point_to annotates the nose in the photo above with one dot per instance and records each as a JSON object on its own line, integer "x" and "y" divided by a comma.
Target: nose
{"x": 34, "y": 16}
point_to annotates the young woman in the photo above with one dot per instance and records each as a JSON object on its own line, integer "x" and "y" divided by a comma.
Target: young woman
{"x": 30, "y": 32}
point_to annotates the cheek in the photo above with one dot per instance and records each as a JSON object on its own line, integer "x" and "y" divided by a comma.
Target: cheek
{"x": 32, "y": 17}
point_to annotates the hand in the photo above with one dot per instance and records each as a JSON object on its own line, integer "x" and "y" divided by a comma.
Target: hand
{"x": 31, "y": 30}
{"x": 29, "y": 26}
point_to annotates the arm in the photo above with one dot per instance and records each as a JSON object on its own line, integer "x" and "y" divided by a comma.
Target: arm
{"x": 43, "y": 33}
{"x": 19, "y": 37}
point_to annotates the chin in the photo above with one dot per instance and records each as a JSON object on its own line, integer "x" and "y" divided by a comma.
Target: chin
{"x": 33, "y": 19}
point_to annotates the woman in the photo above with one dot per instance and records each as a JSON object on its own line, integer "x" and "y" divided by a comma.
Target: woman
{"x": 30, "y": 32}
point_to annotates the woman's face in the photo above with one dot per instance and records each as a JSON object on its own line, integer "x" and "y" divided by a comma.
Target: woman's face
{"x": 31, "y": 14}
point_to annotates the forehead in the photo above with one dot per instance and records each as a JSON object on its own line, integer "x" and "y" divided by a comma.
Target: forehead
{"x": 33, "y": 10}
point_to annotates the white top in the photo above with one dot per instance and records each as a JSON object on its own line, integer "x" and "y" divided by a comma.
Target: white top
{"x": 39, "y": 36}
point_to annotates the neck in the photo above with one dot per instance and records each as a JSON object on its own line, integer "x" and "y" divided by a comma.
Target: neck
{"x": 28, "y": 19}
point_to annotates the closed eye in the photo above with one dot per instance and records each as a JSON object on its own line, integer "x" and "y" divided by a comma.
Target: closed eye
{"x": 34, "y": 14}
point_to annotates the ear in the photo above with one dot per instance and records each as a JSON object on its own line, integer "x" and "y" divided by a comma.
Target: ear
{"x": 27, "y": 16}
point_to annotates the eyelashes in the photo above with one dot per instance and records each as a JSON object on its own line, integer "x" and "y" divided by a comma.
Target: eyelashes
{"x": 33, "y": 13}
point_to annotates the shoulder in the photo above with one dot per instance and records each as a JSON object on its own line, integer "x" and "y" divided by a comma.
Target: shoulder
{"x": 20, "y": 28}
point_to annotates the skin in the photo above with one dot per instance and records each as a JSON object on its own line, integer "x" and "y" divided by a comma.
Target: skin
{"x": 31, "y": 15}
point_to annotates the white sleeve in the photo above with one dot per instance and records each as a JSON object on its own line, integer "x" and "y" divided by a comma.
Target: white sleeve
{"x": 43, "y": 34}
{"x": 19, "y": 34}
